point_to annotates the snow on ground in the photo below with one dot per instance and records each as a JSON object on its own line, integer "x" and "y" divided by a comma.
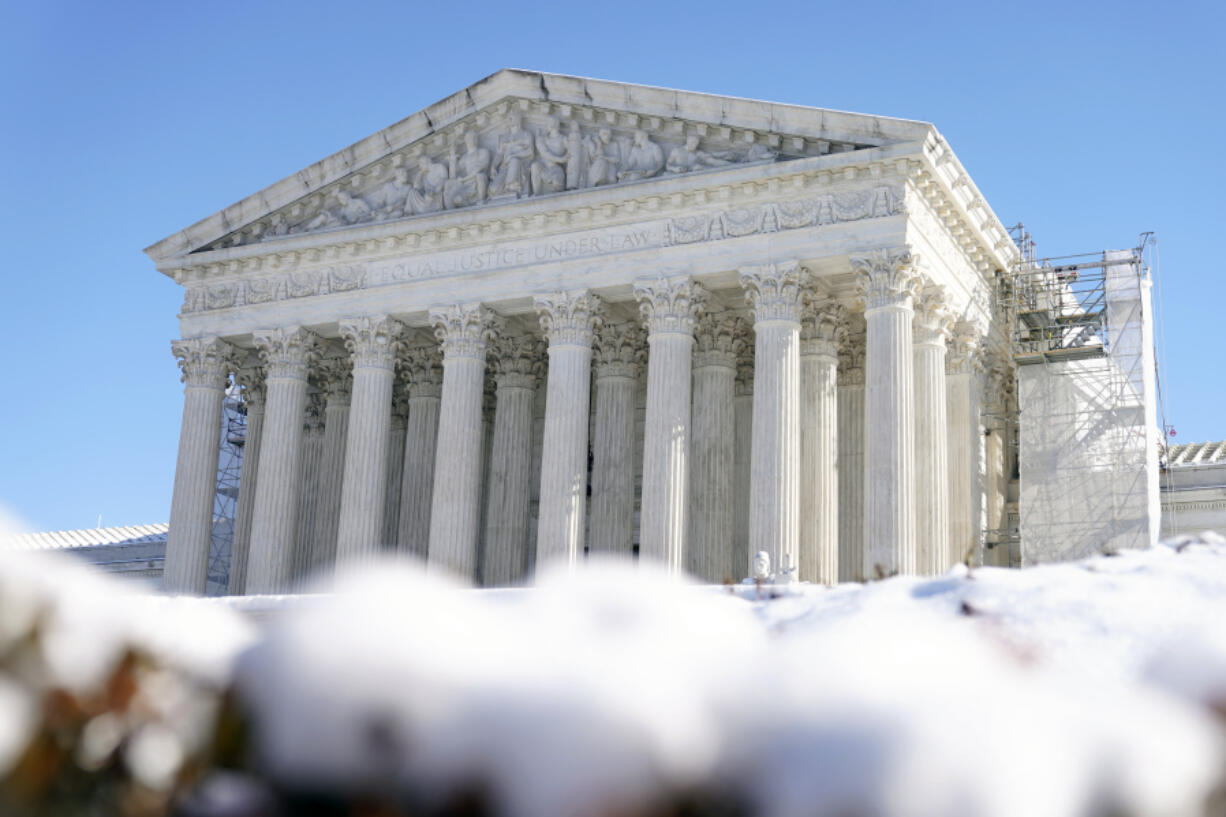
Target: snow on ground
{"x": 1090, "y": 688}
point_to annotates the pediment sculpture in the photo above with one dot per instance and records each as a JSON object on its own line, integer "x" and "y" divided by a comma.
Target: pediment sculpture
{"x": 514, "y": 159}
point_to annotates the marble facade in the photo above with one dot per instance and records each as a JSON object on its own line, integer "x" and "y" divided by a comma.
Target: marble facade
{"x": 551, "y": 316}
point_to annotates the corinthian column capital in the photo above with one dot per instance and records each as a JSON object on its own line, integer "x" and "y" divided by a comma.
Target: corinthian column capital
{"x": 335, "y": 375}
{"x": 205, "y": 362}
{"x": 887, "y": 277}
{"x": 465, "y": 329}
{"x": 775, "y": 292}
{"x": 717, "y": 340}
{"x": 965, "y": 349}
{"x": 569, "y": 318}
{"x": 851, "y": 360}
{"x": 421, "y": 369}
{"x": 517, "y": 361}
{"x": 823, "y": 328}
{"x": 933, "y": 322}
{"x": 250, "y": 379}
{"x": 620, "y": 350}
{"x": 670, "y": 305}
{"x": 289, "y": 352}
{"x": 372, "y": 341}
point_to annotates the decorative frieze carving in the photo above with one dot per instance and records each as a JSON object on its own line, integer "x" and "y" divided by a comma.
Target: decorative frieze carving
{"x": 205, "y": 362}
{"x": 517, "y": 362}
{"x": 887, "y": 277}
{"x": 670, "y": 305}
{"x": 421, "y": 370}
{"x": 465, "y": 329}
{"x": 964, "y": 355}
{"x": 775, "y": 292}
{"x": 507, "y": 157}
{"x": 569, "y": 318}
{"x": 372, "y": 341}
{"x": 718, "y": 340}
{"x": 933, "y": 322}
{"x": 619, "y": 350}
{"x": 823, "y": 328}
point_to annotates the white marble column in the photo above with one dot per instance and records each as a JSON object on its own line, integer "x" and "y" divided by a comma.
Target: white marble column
{"x": 670, "y": 309}
{"x": 888, "y": 284}
{"x": 251, "y": 379}
{"x": 851, "y": 459}
{"x": 931, "y": 327}
{"x": 421, "y": 370}
{"x": 822, "y": 330}
{"x": 776, "y": 292}
{"x": 569, "y": 320}
{"x": 455, "y": 513}
{"x": 619, "y": 352}
{"x": 372, "y": 342}
{"x": 709, "y": 550}
{"x": 395, "y": 463}
{"x": 206, "y": 364}
{"x": 517, "y": 366}
{"x": 287, "y": 354}
{"x": 336, "y": 378}
{"x": 997, "y": 387}
{"x": 742, "y": 457}
{"x": 964, "y": 367}
{"x": 308, "y": 505}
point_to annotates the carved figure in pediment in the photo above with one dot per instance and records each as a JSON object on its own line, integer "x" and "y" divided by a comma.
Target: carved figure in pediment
{"x": 468, "y": 175}
{"x": 687, "y": 157}
{"x": 512, "y": 168}
{"x": 549, "y": 167}
{"x": 576, "y": 158}
{"x": 645, "y": 159}
{"x": 349, "y": 209}
{"x": 426, "y": 196}
{"x": 277, "y": 225}
{"x": 604, "y": 155}
{"x": 389, "y": 200}
{"x": 758, "y": 153}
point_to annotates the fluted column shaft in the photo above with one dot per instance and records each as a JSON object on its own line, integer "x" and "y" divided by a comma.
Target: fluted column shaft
{"x": 252, "y": 381}
{"x": 775, "y": 291}
{"x": 422, "y": 372}
{"x": 206, "y": 365}
{"x": 338, "y": 383}
{"x": 931, "y": 328}
{"x": 568, "y": 320}
{"x": 308, "y": 506}
{"x": 506, "y": 526}
{"x": 670, "y": 309}
{"x": 965, "y": 438}
{"x": 372, "y": 341}
{"x": 287, "y": 354}
{"x": 888, "y": 285}
{"x": 709, "y": 550}
{"x": 395, "y": 466}
{"x": 819, "y": 478}
{"x": 619, "y": 353}
{"x": 742, "y": 462}
{"x": 851, "y": 460}
{"x": 455, "y": 511}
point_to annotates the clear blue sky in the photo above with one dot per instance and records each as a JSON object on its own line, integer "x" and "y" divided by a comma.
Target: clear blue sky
{"x": 124, "y": 122}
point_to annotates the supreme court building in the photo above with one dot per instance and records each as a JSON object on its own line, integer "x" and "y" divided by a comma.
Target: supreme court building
{"x": 550, "y": 315}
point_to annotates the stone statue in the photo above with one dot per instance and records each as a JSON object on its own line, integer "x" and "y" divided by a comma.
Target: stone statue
{"x": 468, "y": 175}
{"x": 604, "y": 158}
{"x": 516, "y": 149}
{"x": 645, "y": 159}
{"x": 687, "y": 157}
{"x": 761, "y": 567}
{"x": 758, "y": 153}
{"x": 426, "y": 196}
{"x": 549, "y": 168}
{"x": 576, "y": 158}
{"x": 349, "y": 210}
{"x": 389, "y": 200}
{"x": 277, "y": 226}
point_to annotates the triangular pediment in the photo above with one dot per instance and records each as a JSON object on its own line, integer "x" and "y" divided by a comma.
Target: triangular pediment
{"x": 520, "y": 134}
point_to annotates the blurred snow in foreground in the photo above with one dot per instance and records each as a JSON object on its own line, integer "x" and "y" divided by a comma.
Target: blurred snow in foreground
{"x": 1091, "y": 688}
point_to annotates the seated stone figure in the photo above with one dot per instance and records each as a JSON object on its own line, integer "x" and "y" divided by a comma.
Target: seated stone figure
{"x": 426, "y": 196}
{"x": 644, "y": 160}
{"x": 349, "y": 210}
{"x": 468, "y": 175}
{"x": 390, "y": 198}
{"x": 604, "y": 158}
{"x": 549, "y": 168}
{"x": 512, "y": 174}
{"x": 687, "y": 157}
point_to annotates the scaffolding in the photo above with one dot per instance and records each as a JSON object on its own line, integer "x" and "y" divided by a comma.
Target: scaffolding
{"x": 225, "y": 498}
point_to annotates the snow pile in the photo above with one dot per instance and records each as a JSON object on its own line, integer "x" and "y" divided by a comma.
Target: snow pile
{"x": 106, "y": 696}
{"x": 1081, "y": 689}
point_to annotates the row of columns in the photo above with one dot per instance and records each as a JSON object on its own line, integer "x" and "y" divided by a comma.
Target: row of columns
{"x": 798, "y": 416}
